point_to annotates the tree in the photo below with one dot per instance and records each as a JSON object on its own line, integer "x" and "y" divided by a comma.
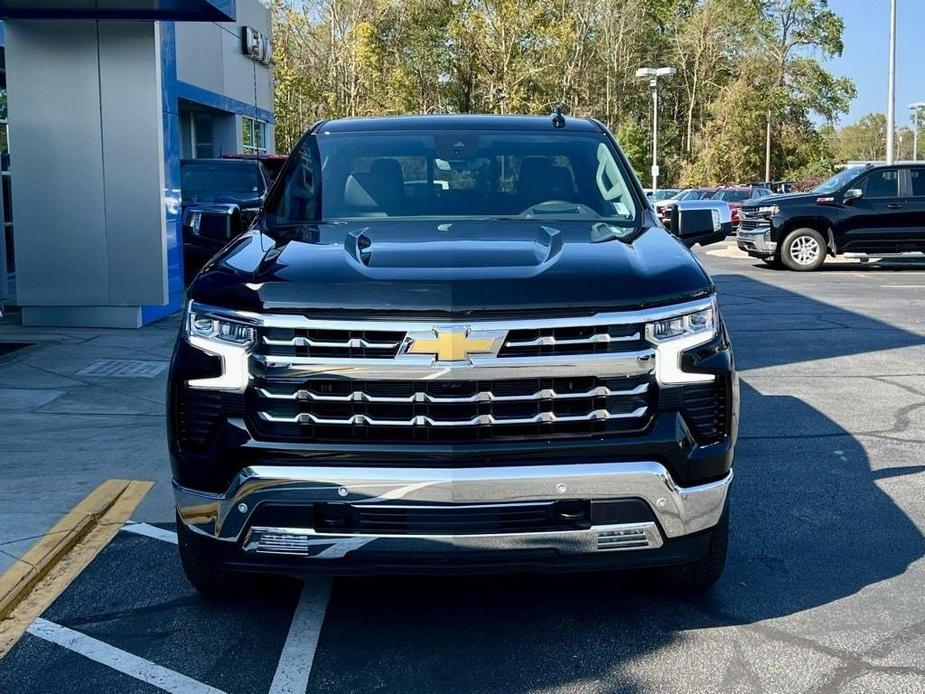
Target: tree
{"x": 737, "y": 61}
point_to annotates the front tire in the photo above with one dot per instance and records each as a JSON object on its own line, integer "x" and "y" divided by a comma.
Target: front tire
{"x": 700, "y": 575}
{"x": 803, "y": 250}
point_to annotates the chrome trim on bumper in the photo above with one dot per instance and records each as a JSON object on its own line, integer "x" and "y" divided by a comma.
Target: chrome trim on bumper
{"x": 756, "y": 240}
{"x": 600, "y": 538}
{"x": 678, "y": 510}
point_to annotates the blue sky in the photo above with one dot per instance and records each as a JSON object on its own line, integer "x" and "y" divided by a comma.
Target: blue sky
{"x": 866, "y": 56}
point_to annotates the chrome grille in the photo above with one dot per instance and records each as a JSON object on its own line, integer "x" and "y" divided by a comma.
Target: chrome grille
{"x": 344, "y": 344}
{"x": 592, "y": 339}
{"x": 324, "y": 409}
{"x": 750, "y": 220}
{"x": 446, "y": 379}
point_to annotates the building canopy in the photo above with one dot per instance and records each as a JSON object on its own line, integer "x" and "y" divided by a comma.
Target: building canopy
{"x": 181, "y": 10}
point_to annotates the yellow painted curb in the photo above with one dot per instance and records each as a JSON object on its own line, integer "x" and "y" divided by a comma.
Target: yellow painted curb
{"x": 30, "y": 585}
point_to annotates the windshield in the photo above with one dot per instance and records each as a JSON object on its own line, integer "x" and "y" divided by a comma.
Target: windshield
{"x": 455, "y": 175}
{"x": 733, "y": 195}
{"x": 693, "y": 194}
{"x": 221, "y": 177}
{"x": 666, "y": 194}
{"x": 838, "y": 181}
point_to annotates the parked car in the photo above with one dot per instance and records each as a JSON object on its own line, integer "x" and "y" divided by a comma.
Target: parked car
{"x": 664, "y": 194}
{"x": 736, "y": 196}
{"x": 663, "y": 207}
{"x": 237, "y": 187}
{"x": 874, "y": 210}
{"x": 518, "y": 372}
{"x": 272, "y": 163}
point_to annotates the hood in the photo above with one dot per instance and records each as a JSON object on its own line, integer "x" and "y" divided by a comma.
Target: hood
{"x": 784, "y": 199}
{"x": 453, "y": 268}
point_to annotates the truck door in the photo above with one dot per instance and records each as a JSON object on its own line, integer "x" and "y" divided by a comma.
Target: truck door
{"x": 915, "y": 210}
{"x": 875, "y": 221}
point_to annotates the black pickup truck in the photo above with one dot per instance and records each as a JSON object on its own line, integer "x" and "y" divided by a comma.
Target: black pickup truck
{"x": 873, "y": 210}
{"x": 453, "y": 344}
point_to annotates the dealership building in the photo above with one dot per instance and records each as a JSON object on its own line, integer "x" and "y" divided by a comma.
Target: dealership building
{"x": 100, "y": 101}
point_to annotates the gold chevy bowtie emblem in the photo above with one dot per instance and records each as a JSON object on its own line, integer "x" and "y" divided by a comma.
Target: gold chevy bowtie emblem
{"x": 453, "y": 344}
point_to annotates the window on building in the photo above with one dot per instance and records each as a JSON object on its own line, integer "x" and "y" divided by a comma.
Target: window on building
{"x": 253, "y": 135}
{"x": 203, "y": 136}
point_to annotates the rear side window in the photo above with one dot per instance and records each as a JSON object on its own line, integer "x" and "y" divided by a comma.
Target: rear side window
{"x": 881, "y": 184}
{"x": 918, "y": 182}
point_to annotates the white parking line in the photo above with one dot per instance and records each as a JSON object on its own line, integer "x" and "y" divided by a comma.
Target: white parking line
{"x": 151, "y": 531}
{"x": 295, "y": 661}
{"x": 117, "y": 659}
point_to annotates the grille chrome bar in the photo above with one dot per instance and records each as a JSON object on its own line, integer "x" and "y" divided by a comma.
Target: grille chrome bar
{"x": 479, "y": 420}
{"x": 352, "y": 343}
{"x": 294, "y": 321}
{"x": 481, "y": 396}
{"x": 479, "y": 367}
{"x": 551, "y": 341}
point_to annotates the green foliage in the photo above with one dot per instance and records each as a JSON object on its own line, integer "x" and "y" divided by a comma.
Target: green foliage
{"x": 737, "y": 62}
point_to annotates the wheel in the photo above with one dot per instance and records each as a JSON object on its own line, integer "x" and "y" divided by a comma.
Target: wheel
{"x": 803, "y": 250}
{"x": 205, "y": 575}
{"x": 700, "y": 575}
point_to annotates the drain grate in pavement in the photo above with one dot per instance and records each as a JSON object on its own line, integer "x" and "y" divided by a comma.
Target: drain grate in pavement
{"x": 10, "y": 347}
{"x": 124, "y": 368}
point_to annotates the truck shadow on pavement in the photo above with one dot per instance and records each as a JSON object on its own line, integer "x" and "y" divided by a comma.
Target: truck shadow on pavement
{"x": 810, "y": 526}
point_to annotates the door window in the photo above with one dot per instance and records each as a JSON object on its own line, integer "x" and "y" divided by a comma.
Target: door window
{"x": 917, "y": 177}
{"x": 881, "y": 184}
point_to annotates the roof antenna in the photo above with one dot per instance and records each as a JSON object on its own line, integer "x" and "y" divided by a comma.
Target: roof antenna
{"x": 558, "y": 120}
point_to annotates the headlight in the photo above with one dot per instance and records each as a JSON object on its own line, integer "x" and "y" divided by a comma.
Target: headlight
{"x": 769, "y": 210}
{"x": 218, "y": 329}
{"x": 677, "y": 334}
{"x": 227, "y": 339}
{"x": 701, "y": 322}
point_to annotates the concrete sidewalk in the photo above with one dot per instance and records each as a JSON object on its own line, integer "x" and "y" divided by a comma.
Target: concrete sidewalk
{"x": 79, "y": 406}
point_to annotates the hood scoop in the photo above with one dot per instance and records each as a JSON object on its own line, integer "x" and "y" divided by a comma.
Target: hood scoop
{"x": 453, "y": 251}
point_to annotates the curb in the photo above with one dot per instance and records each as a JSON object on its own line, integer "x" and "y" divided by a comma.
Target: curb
{"x": 101, "y": 513}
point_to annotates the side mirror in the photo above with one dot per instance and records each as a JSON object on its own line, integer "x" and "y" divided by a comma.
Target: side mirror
{"x": 219, "y": 223}
{"x": 701, "y": 221}
{"x": 852, "y": 194}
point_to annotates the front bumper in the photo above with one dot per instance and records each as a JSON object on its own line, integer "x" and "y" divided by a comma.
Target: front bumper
{"x": 756, "y": 242}
{"x": 230, "y": 521}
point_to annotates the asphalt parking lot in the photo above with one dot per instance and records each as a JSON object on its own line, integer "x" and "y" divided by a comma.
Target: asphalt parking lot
{"x": 822, "y": 592}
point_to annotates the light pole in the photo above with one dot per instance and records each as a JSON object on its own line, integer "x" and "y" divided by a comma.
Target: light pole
{"x": 891, "y": 90}
{"x": 915, "y": 128}
{"x": 652, "y": 74}
{"x": 767, "y": 148}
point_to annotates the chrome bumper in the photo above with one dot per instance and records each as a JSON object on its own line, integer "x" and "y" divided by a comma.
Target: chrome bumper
{"x": 679, "y": 511}
{"x": 756, "y": 241}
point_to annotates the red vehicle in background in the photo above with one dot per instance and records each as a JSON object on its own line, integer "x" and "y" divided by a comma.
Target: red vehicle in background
{"x": 736, "y": 195}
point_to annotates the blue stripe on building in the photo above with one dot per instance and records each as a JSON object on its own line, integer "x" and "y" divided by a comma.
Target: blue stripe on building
{"x": 191, "y": 92}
